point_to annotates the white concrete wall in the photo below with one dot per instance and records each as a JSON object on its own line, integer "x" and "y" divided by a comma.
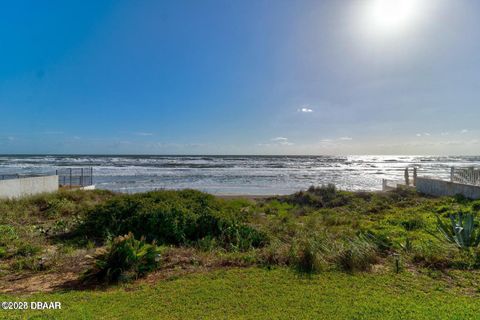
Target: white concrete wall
{"x": 16, "y": 188}
{"x": 436, "y": 187}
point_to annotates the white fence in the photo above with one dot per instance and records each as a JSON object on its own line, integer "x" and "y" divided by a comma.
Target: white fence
{"x": 435, "y": 187}
{"x": 16, "y": 188}
{"x": 470, "y": 176}
{"x": 464, "y": 181}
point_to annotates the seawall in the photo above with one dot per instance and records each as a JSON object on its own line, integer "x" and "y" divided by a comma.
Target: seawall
{"x": 16, "y": 188}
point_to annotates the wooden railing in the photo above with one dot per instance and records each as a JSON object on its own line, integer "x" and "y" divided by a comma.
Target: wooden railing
{"x": 469, "y": 176}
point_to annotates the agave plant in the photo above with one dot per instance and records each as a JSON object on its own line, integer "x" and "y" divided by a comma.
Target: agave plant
{"x": 462, "y": 230}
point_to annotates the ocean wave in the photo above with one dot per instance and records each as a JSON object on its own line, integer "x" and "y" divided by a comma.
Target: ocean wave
{"x": 237, "y": 174}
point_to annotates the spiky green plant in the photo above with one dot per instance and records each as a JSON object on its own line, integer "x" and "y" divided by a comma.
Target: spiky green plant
{"x": 126, "y": 258}
{"x": 462, "y": 230}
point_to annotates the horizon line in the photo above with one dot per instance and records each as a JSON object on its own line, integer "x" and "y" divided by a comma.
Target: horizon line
{"x": 232, "y": 155}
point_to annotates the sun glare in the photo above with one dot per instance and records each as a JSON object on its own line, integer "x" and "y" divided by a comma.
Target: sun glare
{"x": 392, "y": 17}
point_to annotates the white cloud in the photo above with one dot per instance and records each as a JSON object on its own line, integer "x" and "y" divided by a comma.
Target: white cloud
{"x": 278, "y": 141}
{"x": 345, "y": 138}
{"x": 464, "y": 131}
{"x": 144, "y": 134}
{"x": 306, "y": 108}
{"x": 6, "y": 139}
{"x": 163, "y": 145}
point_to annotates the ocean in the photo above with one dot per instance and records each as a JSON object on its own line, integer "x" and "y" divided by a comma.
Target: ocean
{"x": 235, "y": 175}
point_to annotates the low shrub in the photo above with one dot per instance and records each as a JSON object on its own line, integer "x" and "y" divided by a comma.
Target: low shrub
{"x": 126, "y": 258}
{"x": 402, "y": 195}
{"x": 475, "y": 205}
{"x": 171, "y": 217}
{"x": 319, "y": 197}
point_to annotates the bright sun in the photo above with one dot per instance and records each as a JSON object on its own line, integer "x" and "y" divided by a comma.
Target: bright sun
{"x": 392, "y": 17}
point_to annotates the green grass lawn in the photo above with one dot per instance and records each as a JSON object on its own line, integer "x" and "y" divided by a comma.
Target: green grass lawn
{"x": 331, "y": 254}
{"x": 255, "y": 293}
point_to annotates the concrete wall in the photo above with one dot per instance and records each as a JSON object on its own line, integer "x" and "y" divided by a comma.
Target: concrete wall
{"x": 436, "y": 187}
{"x": 16, "y": 188}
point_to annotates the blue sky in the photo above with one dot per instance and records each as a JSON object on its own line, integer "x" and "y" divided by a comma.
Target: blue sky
{"x": 239, "y": 77}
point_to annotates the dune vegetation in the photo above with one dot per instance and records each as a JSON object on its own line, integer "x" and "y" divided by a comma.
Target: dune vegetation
{"x": 415, "y": 256}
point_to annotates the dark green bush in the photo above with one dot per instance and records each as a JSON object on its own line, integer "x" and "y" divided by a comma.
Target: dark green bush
{"x": 170, "y": 217}
{"x": 126, "y": 258}
{"x": 460, "y": 198}
{"x": 476, "y": 205}
{"x": 319, "y": 197}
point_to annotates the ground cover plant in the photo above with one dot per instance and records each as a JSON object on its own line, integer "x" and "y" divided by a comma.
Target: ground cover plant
{"x": 87, "y": 240}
